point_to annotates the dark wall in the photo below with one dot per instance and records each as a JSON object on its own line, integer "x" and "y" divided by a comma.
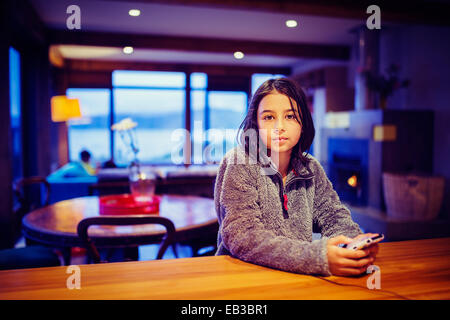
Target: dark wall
{"x": 5, "y": 140}
{"x": 22, "y": 29}
{"x": 36, "y": 110}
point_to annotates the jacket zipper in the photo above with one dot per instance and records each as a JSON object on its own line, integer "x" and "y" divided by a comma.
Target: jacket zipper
{"x": 285, "y": 201}
{"x": 283, "y": 195}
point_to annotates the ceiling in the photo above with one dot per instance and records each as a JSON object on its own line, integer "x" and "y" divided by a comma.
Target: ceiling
{"x": 195, "y": 21}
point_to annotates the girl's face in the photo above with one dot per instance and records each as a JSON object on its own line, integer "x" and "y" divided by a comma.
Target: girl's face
{"x": 278, "y": 127}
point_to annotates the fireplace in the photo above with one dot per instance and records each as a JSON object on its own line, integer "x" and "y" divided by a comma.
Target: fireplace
{"x": 358, "y": 149}
{"x": 357, "y": 152}
{"x": 348, "y": 169}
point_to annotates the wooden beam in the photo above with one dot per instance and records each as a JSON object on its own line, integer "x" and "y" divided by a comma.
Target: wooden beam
{"x": 96, "y": 66}
{"x": 213, "y": 45}
{"x": 402, "y": 11}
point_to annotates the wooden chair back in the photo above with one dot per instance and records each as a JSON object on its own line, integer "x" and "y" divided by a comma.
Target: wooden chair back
{"x": 32, "y": 201}
{"x": 125, "y": 241}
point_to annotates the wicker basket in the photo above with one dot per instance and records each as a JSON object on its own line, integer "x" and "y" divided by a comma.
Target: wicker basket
{"x": 413, "y": 197}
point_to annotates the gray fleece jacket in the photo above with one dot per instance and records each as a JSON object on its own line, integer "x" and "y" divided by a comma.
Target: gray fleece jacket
{"x": 267, "y": 223}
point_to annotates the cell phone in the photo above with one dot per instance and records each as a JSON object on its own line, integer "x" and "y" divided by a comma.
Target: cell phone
{"x": 364, "y": 242}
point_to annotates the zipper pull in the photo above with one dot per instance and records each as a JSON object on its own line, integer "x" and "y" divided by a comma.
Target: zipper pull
{"x": 285, "y": 202}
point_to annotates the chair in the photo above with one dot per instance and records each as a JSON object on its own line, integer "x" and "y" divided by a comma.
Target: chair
{"x": 126, "y": 241}
{"x": 206, "y": 242}
{"x": 19, "y": 191}
{"x": 31, "y": 256}
{"x": 28, "y": 192}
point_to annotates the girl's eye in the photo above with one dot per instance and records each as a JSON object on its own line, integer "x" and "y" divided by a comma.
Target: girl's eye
{"x": 290, "y": 116}
{"x": 267, "y": 117}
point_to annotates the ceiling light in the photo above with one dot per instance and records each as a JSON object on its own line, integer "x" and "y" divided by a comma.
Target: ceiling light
{"x": 128, "y": 50}
{"x": 291, "y": 23}
{"x": 239, "y": 55}
{"x": 134, "y": 12}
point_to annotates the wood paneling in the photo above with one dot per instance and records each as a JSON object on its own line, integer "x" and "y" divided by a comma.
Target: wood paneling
{"x": 90, "y": 79}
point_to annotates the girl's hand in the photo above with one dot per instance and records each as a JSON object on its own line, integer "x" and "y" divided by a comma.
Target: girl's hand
{"x": 345, "y": 262}
{"x": 373, "y": 249}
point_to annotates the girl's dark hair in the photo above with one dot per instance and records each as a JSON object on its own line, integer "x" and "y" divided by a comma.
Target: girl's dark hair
{"x": 291, "y": 90}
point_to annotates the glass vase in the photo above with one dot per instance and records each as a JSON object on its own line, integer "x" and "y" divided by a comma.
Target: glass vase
{"x": 142, "y": 183}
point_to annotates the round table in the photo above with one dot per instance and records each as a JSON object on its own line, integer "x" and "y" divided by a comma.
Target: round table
{"x": 56, "y": 225}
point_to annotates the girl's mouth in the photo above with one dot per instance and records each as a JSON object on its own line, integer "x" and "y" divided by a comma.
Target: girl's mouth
{"x": 280, "y": 140}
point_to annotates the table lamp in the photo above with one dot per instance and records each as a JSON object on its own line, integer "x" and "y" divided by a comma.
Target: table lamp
{"x": 64, "y": 108}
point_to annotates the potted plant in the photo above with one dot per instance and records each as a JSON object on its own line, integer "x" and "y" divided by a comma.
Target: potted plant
{"x": 385, "y": 85}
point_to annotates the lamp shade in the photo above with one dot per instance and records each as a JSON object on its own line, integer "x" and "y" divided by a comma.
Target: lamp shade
{"x": 64, "y": 108}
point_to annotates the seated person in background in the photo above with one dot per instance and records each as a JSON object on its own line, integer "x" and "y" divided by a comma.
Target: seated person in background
{"x": 109, "y": 164}
{"x": 85, "y": 162}
{"x": 81, "y": 168}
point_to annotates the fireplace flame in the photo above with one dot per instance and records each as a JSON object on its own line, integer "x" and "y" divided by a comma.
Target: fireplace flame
{"x": 352, "y": 181}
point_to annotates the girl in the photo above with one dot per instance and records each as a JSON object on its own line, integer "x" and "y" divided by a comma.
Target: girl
{"x": 269, "y": 193}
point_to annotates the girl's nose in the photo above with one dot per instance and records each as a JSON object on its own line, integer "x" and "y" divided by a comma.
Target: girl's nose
{"x": 279, "y": 125}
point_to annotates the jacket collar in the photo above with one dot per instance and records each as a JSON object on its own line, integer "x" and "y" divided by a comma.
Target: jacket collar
{"x": 298, "y": 169}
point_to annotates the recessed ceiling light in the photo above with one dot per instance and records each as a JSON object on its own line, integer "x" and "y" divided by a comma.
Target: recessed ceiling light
{"x": 291, "y": 23}
{"x": 239, "y": 55}
{"x": 128, "y": 50}
{"x": 134, "y": 12}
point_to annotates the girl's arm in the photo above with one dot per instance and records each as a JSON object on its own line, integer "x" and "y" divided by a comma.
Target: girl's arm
{"x": 330, "y": 215}
{"x": 336, "y": 225}
{"x": 244, "y": 236}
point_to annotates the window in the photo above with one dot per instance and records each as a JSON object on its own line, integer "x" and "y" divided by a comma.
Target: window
{"x": 227, "y": 110}
{"x": 148, "y": 79}
{"x": 215, "y": 119}
{"x": 15, "y": 112}
{"x": 91, "y": 132}
{"x": 259, "y": 78}
{"x": 156, "y": 101}
{"x": 199, "y": 83}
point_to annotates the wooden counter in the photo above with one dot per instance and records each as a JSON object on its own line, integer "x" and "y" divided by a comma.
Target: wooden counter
{"x": 417, "y": 269}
